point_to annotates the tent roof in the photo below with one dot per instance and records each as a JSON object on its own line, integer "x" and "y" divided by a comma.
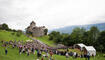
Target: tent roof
{"x": 90, "y": 48}
{"x": 81, "y": 45}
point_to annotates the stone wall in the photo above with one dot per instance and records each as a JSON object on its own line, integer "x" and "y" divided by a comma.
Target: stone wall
{"x": 36, "y": 31}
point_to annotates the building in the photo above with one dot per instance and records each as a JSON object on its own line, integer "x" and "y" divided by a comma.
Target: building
{"x": 34, "y": 30}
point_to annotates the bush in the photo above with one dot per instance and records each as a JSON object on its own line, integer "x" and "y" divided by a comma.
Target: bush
{"x": 13, "y": 33}
{"x": 19, "y": 33}
{"x": 104, "y": 55}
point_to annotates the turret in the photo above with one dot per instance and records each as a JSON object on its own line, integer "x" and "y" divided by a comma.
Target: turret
{"x": 32, "y": 24}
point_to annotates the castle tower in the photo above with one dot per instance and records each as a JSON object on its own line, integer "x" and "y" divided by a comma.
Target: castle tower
{"x": 32, "y": 24}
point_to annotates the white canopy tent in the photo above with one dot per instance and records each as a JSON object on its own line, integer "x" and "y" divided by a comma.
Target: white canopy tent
{"x": 91, "y": 50}
{"x": 80, "y": 46}
{"x": 87, "y": 49}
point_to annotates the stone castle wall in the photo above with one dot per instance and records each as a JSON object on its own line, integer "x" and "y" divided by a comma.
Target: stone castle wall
{"x": 36, "y": 31}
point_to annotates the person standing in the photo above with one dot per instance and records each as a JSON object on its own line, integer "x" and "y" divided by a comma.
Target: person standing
{"x": 6, "y": 51}
{"x": 88, "y": 56}
{"x": 51, "y": 54}
{"x": 38, "y": 55}
{"x": 28, "y": 53}
{"x": 67, "y": 55}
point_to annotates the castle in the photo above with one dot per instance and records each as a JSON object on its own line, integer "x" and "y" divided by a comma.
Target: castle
{"x": 34, "y": 30}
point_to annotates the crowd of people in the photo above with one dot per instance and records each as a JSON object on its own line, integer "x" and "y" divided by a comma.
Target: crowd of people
{"x": 31, "y": 47}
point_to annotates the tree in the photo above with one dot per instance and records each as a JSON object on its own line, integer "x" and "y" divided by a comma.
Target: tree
{"x": 101, "y": 48}
{"x": 55, "y": 36}
{"x": 5, "y": 27}
{"x": 93, "y": 35}
{"x": 0, "y": 27}
{"x": 45, "y": 31}
{"x": 66, "y": 39}
{"x": 85, "y": 38}
{"x": 77, "y": 35}
{"x": 52, "y": 34}
{"x": 14, "y": 30}
{"x": 101, "y": 41}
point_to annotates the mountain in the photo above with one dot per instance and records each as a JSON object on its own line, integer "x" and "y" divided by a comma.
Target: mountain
{"x": 68, "y": 29}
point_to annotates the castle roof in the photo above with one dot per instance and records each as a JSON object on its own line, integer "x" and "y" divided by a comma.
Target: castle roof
{"x": 33, "y": 22}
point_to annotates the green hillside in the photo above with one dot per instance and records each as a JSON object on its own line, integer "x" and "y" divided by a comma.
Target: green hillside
{"x": 13, "y": 53}
{"x": 45, "y": 39}
{"x": 6, "y": 35}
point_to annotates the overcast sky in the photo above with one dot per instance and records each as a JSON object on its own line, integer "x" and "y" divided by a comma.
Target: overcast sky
{"x": 51, "y": 13}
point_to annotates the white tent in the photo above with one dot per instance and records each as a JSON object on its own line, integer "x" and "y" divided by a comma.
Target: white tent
{"x": 91, "y": 50}
{"x": 81, "y": 45}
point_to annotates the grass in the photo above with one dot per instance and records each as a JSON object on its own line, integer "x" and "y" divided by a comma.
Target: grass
{"x": 7, "y": 36}
{"x": 14, "y": 55}
{"x": 45, "y": 39}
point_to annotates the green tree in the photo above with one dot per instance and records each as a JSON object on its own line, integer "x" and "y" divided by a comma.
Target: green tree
{"x": 52, "y": 34}
{"x": 85, "y": 38}
{"x": 66, "y": 39}
{"x": 5, "y": 27}
{"x": 45, "y": 31}
{"x": 101, "y": 48}
{"x": 55, "y": 36}
{"x": 101, "y": 40}
{"x": 93, "y": 35}
{"x": 14, "y": 30}
{"x": 77, "y": 35}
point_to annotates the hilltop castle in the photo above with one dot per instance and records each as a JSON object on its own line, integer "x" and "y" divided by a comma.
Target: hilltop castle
{"x": 34, "y": 30}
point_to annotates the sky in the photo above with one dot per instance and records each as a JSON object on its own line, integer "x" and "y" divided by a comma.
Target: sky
{"x": 51, "y": 13}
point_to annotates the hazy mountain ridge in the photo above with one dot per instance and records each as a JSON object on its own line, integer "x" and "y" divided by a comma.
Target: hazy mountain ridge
{"x": 68, "y": 29}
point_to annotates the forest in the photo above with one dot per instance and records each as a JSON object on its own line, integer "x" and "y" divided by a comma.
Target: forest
{"x": 92, "y": 37}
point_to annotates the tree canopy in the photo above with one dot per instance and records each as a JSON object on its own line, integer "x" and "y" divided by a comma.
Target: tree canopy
{"x": 79, "y": 35}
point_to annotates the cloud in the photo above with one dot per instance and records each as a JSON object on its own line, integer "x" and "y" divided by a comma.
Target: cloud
{"x": 51, "y": 13}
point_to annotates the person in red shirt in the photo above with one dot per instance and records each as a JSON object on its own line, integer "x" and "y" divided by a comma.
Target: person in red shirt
{"x": 51, "y": 54}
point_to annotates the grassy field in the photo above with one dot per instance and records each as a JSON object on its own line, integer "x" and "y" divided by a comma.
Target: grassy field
{"x": 13, "y": 54}
{"x": 5, "y": 35}
{"x": 45, "y": 39}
